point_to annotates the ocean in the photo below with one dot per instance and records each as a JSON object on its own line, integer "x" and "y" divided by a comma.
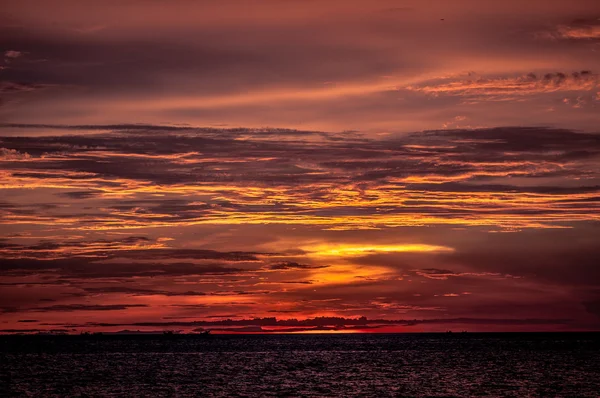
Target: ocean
{"x": 319, "y": 365}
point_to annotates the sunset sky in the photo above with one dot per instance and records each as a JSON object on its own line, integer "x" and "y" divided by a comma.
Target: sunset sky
{"x": 191, "y": 165}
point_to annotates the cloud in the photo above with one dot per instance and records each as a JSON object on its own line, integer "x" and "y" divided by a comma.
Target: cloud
{"x": 50, "y": 250}
{"x": 134, "y": 256}
{"x": 443, "y": 274}
{"x": 132, "y": 247}
{"x": 335, "y": 323}
{"x": 213, "y": 178}
{"x": 83, "y": 307}
{"x": 9, "y": 87}
{"x": 435, "y": 273}
{"x": 511, "y": 88}
{"x": 12, "y": 54}
{"x": 11, "y": 154}
{"x": 581, "y": 29}
{"x": 80, "y": 268}
{"x": 139, "y": 291}
{"x": 39, "y": 331}
{"x": 79, "y": 194}
{"x": 291, "y": 265}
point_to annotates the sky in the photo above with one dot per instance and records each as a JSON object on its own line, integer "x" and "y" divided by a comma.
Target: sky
{"x": 299, "y": 166}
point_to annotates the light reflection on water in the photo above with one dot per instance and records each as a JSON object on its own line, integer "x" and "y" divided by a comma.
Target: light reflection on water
{"x": 311, "y": 365}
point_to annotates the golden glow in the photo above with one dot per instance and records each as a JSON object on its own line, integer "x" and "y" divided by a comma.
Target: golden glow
{"x": 347, "y": 250}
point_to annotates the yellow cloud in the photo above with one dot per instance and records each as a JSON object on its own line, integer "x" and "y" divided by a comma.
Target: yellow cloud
{"x": 345, "y": 250}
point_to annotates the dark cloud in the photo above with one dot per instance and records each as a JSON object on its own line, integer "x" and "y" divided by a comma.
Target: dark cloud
{"x": 139, "y": 291}
{"x": 79, "y": 194}
{"x": 134, "y": 64}
{"x": 242, "y": 329}
{"x": 41, "y": 331}
{"x": 94, "y": 127}
{"x": 417, "y": 154}
{"x": 8, "y": 87}
{"x": 336, "y": 322}
{"x": 132, "y": 247}
{"x": 81, "y": 268}
{"x": 80, "y": 307}
{"x": 291, "y": 265}
{"x": 191, "y": 306}
{"x": 134, "y": 256}
{"x": 436, "y": 271}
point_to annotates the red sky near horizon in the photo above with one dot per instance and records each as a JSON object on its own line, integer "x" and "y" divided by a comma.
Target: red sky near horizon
{"x": 192, "y": 165}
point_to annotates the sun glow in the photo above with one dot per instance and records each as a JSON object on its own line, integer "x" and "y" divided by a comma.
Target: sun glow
{"x": 344, "y": 250}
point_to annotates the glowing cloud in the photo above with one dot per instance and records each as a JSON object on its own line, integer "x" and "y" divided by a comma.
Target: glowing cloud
{"x": 346, "y": 250}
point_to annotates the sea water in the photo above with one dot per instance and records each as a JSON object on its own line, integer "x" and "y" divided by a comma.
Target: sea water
{"x": 320, "y": 365}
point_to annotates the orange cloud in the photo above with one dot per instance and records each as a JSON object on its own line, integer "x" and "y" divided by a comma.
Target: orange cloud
{"x": 507, "y": 89}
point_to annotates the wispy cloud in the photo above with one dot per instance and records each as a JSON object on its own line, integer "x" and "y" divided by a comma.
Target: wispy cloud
{"x": 511, "y": 88}
{"x": 579, "y": 29}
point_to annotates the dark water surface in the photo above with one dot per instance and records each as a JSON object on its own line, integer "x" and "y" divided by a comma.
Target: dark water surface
{"x": 406, "y": 365}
